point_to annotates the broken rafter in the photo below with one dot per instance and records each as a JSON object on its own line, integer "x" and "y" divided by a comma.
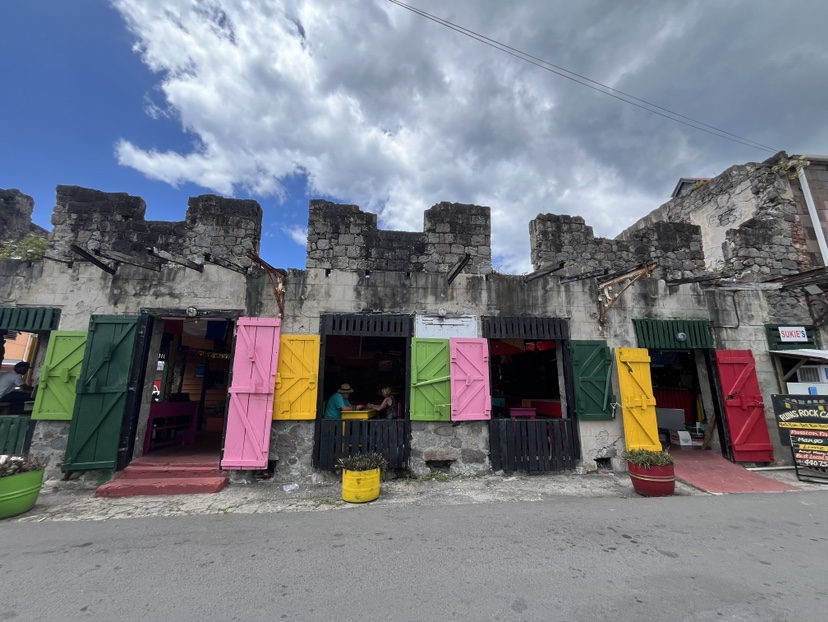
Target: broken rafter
{"x": 162, "y": 254}
{"x": 701, "y": 279}
{"x": 226, "y": 263}
{"x": 92, "y": 259}
{"x": 281, "y": 276}
{"x": 585, "y": 275}
{"x": 128, "y": 259}
{"x": 630, "y": 277}
{"x": 543, "y": 272}
{"x": 457, "y": 268}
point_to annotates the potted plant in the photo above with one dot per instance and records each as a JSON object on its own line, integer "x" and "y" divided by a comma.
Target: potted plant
{"x": 652, "y": 472}
{"x": 20, "y": 481}
{"x": 361, "y": 476}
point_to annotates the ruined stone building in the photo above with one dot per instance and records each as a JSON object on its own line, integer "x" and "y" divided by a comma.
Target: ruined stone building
{"x": 170, "y": 334}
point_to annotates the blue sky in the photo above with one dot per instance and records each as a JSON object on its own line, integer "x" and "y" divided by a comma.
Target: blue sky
{"x": 364, "y": 102}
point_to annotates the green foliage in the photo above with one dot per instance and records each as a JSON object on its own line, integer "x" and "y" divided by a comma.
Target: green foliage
{"x": 362, "y": 462}
{"x": 12, "y": 465}
{"x": 30, "y": 248}
{"x": 648, "y": 458}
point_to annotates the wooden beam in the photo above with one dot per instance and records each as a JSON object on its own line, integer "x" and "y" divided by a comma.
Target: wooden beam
{"x": 543, "y": 272}
{"x": 92, "y": 259}
{"x": 162, "y": 254}
{"x": 129, "y": 259}
{"x": 226, "y": 263}
{"x": 458, "y": 268}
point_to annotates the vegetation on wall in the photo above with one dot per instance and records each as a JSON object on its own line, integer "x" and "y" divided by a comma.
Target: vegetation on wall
{"x": 30, "y": 248}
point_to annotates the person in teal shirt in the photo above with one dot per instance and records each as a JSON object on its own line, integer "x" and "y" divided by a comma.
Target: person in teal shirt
{"x": 338, "y": 403}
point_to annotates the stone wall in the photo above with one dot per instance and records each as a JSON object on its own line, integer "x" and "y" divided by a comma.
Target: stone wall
{"x": 342, "y": 237}
{"x": 758, "y": 198}
{"x": 114, "y": 221}
{"x": 16, "y": 216}
{"x": 677, "y": 247}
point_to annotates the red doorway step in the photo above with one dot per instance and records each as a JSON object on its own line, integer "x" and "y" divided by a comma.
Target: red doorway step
{"x": 707, "y": 470}
{"x": 166, "y": 473}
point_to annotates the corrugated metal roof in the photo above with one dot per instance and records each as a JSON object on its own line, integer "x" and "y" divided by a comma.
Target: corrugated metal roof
{"x": 819, "y": 355}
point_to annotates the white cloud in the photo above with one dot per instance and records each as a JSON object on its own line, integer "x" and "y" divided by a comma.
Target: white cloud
{"x": 395, "y": 113}
{"x": 297, "y": 234}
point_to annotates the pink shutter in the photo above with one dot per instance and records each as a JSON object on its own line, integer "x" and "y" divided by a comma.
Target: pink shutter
{"x": 249, "y": 415}
{"x": 470, "y": 395}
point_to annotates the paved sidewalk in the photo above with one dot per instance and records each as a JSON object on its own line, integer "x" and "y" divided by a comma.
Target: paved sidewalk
{"x": 70, "y": 501}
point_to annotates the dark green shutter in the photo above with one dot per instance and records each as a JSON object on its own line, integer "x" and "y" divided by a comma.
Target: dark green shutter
{"x": 592, "y": 372}
{"x": 14, "y": 434}
{"x": 673, "y": 334}
{"x": 27, "y": 319}
{"x": 101, "y": 396}
{"x": 775, "y": 341}
{"x": 430, "y": 380}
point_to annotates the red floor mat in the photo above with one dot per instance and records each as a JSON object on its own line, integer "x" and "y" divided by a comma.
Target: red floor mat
{"x": 709, "y": 471}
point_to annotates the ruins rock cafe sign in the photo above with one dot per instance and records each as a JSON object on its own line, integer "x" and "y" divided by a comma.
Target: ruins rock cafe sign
{"x": 803, "y": 425}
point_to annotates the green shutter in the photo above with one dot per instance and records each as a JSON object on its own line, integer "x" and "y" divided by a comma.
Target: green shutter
{"x": 101, "y": 395}
{"x": 55, "y": 399}
{"x": 667, "y": 334}
{"x": 14, "y": 434}
{"x": 430, "y": 380}
{"x": 775, "y": 341}
{"x": 592, "y": 373}
{"x": 27, "y": 319}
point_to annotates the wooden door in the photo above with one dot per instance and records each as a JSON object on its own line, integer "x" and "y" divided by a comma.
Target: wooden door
{"x": 296, "y": 378}
{"x": 592, "y": 373}
{"x": 250, "y": 412}
{"x": 430, "y": 374}
{"x": 55, "y": 399}
{"x": 471, "y": 398}
{"x": 637, "y": 401}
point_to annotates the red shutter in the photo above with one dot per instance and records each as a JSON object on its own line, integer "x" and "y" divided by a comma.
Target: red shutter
{"x": 744, "y": 409}
{"x": 470, "y": 395}
{"x": 250, "y": 413}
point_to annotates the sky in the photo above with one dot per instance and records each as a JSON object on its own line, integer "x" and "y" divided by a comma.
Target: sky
{"x": 366, "y": 102}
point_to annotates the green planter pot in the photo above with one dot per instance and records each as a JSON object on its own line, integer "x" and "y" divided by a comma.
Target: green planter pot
{"x": 18, "y": 493}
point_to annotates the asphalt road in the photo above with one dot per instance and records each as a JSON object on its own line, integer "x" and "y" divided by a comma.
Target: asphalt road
{"x": 737, "y": 557}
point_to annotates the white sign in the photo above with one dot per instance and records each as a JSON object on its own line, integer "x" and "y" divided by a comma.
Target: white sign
{"x": 792, "y": 334}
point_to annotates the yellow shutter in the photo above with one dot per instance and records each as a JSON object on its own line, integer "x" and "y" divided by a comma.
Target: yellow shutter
{"x": 637, "y": 401}
{"x": 296, "y": 377}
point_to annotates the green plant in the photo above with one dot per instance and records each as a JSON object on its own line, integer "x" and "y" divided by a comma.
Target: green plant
{"x": 648, "y": 457}
{"x": 32, "y": 247}
{"x": 12, "y": 465}
{"x": 362, "y": 462}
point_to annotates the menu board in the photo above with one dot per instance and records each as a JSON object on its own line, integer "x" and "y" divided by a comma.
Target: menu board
{"x": 803, "y": 425}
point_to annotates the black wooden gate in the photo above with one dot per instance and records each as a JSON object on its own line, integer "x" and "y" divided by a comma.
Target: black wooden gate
{"x": 335, "y": 439}
{"x": 533, "y": 445}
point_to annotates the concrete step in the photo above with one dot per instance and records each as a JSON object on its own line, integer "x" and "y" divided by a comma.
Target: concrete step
{"x": 150, "y": 471}
{"x": 130, "y": 487}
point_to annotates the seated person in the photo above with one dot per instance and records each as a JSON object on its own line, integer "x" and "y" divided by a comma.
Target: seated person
{"x": 338, "y": 403}
{"x": 11, "y": 380}
{"x": 387, "y": 409}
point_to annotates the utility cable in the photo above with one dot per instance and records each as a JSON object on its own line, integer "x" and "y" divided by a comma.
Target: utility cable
{"x": 589, "y": 83}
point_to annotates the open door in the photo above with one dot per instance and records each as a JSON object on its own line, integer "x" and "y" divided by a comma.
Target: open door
{"x": 296, "y": 378}
{"x": 430, "y": 386}
{"x": 102, "y": 394}
{"x": 744, "y": 409}
{"x": 637, "y": 401}
{"x": 250, "y": 412}
{"x": 55, "y": 399}
{"x": 471, "y": 398}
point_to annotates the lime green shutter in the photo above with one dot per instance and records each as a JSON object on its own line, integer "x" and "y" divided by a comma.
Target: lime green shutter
{"x": 55, "y": 399}
{"x": 430, "y": 380}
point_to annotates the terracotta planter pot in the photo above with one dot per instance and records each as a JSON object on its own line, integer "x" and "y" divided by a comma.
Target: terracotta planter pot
{"x": 360, "y": 486}
{"x": 654, "y": 481}
{"x": 18, "y": 493}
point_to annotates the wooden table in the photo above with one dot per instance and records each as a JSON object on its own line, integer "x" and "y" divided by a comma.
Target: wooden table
{"x": 359, "y": 414}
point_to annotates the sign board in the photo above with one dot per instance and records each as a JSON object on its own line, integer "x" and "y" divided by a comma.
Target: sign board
{"x": 793, "y": 334}
{"x": 445, "y": 327}
{"x": 803, "y": 426}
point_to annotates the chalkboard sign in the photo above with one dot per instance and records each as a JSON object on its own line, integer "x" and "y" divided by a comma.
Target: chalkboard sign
{"x": 803, "y": 425}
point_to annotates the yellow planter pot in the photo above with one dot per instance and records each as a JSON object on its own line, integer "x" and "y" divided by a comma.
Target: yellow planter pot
{"x": 360, "y": 486}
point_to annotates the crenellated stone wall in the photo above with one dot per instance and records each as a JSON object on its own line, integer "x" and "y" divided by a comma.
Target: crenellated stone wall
{"x": 16, "y": 211}
{"x": 114, "y": 221}
{"x": 342, "y": 237}
{"x": 677, "y": 247}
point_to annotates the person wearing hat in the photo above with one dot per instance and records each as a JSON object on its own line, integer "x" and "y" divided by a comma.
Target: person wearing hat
{"x": 11, "y": 380}
{"x": 338, "y": 403}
